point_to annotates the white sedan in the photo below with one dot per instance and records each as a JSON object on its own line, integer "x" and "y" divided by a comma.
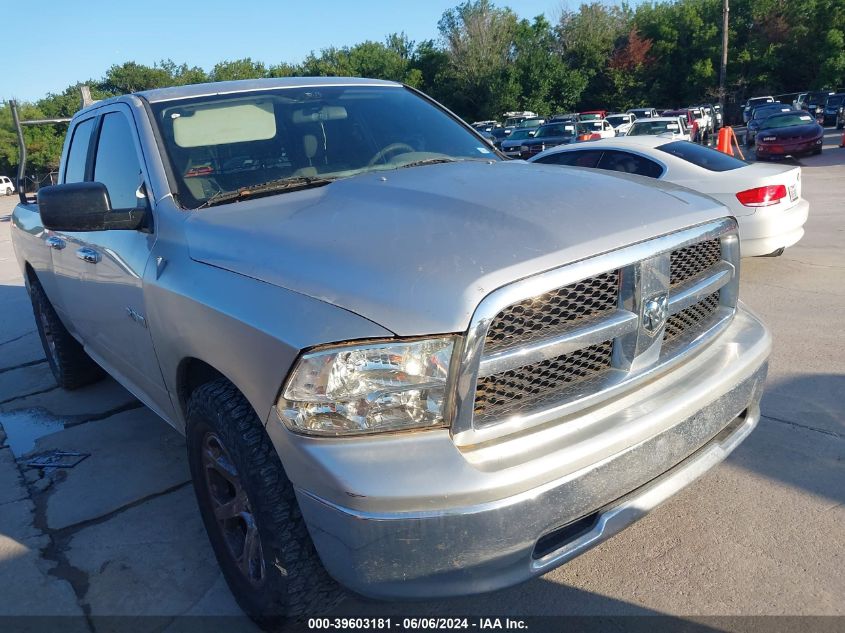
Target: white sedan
{"x": 673, "y": 127}
{"x": 765, "y": 198}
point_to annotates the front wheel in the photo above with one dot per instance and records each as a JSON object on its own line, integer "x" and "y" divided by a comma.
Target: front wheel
{"x": 8, "y": 191}
{"x": 250, "y": 511}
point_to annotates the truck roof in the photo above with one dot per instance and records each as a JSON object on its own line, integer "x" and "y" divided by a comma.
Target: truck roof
{"x": 245, "y": 85}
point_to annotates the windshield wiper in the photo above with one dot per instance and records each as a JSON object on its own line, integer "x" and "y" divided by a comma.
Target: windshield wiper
{"x": 266, "y": 188}
{"x": 429, "y": 161}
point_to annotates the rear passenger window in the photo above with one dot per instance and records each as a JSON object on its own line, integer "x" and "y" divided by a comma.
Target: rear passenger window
{"x": 630, "y": 164}
{"x": 116, "y": 164}
{"x": 583, "y": 158}
{"x": 78, "y": 152}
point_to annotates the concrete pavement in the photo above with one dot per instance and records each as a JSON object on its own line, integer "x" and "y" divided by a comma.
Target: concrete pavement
{"x": 764, "y": 533}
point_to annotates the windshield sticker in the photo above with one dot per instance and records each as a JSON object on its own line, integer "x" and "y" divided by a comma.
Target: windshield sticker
{"x": 805, "y": 118}
{"x": 483, "y": 150}
{"x": 568, "y": 128}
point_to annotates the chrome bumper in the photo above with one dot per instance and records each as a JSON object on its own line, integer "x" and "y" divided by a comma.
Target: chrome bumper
{"x": 377, "y": 547}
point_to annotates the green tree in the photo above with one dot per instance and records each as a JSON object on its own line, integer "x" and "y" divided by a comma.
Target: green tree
{"x": 478, "y": 39}
{"x": 238, "y": 69}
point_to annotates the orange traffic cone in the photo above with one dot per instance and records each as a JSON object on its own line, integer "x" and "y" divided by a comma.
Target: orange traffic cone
{"x": 723, "y": 144}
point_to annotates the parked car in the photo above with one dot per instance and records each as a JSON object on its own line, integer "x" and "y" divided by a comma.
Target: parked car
{"x": 500, "y": 135}
{"x": 568, "y": 116}
{"x": 816, "y": 101}
{"x": 531, "y": 123}
{"x": 689, "y": 120}
{"x": 592, "y": 115}
{"x": 550, "y": 135}
{"x": 840, "y": 117}
{"x": 746, "y": 111}
{"x": 621, "y": 122}
{"x": 758, "y": 114}
{"x": 672, "y": 127}
{"x": 7, "y": 186}
{"x": 401, "y": 364}
{"x": 832, "y": 107}
{"x": 708, "y": 116}
{"x": 512, "y": 119}
{"x": 765, "y": 199}
{"x": 720, "y": 119}
{"x": 601, "y": 127}
{"x": 789, "y": 133}
{"x": 800, "y": 102}
{"x": 643, "y": 113}
{"x": 512, "y": 145}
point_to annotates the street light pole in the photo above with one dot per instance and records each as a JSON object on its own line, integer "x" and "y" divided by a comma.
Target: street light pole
{"x": 724, "y": 69}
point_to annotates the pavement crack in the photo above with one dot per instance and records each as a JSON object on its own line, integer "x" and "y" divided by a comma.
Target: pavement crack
{"x": 23, "y": 365}
{"x": 55, "y": 549}
{"x": 17, "y": 338}
{"x": 803, "y": 426}
{"x": 85, "y": 418}
{"x": 69, "y": 530}
{"x": 27, "y": 395}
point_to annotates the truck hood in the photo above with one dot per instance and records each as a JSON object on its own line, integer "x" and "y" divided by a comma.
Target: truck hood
{"x": 415, "y": 250}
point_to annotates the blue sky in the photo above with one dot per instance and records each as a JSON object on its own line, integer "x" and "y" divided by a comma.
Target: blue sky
{"x": 73, "y": 41}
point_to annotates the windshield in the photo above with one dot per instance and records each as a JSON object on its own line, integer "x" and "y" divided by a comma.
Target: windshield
{"x": 835, "y": 100}
{"x": 786, "y": 120}
{"x": 563, "y": 129}
{"x": 590, "y": 117}
{"x": 519, "y": 134}
{"x": 225, "y": 143}
{"x": 618, "y": 120}
{"x": 762, "y": 113}
{"x": 513, "y": 121}
{"x": 760, "y": 100}
{"x": 530, "y": 123}
{"x": 652, "y": 128}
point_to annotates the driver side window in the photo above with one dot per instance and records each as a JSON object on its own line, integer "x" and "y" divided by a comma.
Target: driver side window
{"x": 116, "y": 163}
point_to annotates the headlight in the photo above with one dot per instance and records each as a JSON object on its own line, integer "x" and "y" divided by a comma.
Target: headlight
{"x": 355, "y": 389}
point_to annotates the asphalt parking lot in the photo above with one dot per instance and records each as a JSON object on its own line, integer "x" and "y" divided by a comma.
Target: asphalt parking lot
{"x": 763, "y": 534}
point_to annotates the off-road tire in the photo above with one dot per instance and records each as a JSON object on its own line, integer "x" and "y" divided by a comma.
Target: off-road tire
{"x": 295, "y": 584}
{"x": 71, "y": 366}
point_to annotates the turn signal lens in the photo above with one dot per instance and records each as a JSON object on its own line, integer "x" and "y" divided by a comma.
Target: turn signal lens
{"x": 762, "y": 196}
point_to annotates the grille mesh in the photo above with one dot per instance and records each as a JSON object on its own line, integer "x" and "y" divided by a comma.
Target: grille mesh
{"x": 495, "y": 394}
{"x": 687, "y": 262}
{"x": 693, "y": 318}
{"x": 553, "y": 311}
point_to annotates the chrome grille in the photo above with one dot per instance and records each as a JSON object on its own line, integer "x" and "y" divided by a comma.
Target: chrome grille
{"x": 496, "y": 394}
{"x": 691, "y": 260}
{"x": 552, "y": 312}
{"x": 691, "y": 319}
{"x": 567, "y": 338}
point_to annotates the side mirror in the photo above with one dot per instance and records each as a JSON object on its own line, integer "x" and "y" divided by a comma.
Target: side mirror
{"x": 85, "y": 206}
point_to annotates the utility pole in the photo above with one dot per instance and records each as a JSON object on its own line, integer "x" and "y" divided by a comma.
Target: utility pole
{"x": 723, "y": 74}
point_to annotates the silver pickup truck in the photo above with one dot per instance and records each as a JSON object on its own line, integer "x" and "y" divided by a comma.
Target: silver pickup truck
{"x": 400, "y": 362}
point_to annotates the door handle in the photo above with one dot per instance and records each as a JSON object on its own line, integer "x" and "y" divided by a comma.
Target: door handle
{"x": 55, "y": 242}
{"x": 88, "y": 255}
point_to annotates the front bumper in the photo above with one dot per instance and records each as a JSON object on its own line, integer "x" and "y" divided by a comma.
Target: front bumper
{"x": 416, "y": 518}
{"x": 785, "y": 149}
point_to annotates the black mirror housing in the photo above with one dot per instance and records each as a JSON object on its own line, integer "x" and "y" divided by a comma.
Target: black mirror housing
{"x": 84, "y": 206}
